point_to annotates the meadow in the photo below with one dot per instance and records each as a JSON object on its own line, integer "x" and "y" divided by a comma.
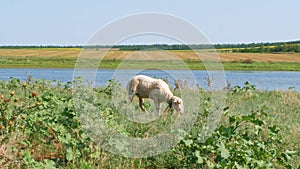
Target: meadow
{"x": 40, "y": 128}
{"x": 66, "y": 58}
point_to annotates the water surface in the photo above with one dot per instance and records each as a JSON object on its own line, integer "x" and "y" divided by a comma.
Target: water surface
{"x": 266, "y": 80}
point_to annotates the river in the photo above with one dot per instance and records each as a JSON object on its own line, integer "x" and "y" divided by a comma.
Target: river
{"x": 264, "y": 80}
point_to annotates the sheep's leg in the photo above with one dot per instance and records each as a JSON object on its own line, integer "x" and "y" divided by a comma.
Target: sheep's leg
{"x": 157, "y": 106}
{"x": 166, "y": 110}
{"x": 141, "y": 104}
{"x": 132, "y": 89}
{"x": 131, "y": 97}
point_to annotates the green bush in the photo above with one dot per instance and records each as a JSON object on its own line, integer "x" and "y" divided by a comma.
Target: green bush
{"x": 39, "y": 128}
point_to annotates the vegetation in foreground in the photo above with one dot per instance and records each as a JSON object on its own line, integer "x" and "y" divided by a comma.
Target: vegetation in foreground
{"x": 39, "y": 128}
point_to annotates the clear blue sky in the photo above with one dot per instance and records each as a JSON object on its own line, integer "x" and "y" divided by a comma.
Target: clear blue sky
{"x": 73, "y": 22}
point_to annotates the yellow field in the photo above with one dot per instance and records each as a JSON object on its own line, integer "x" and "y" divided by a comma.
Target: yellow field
{"x": 41, "y": 52}
{"x": 147, "y": 55}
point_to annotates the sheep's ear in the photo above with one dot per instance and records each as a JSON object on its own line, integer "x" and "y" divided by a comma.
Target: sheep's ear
{"x": 178, "y": 101}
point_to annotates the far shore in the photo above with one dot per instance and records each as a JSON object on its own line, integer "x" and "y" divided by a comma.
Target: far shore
{"x": 67, "y": 58}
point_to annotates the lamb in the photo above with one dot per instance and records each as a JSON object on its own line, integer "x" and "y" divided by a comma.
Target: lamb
{"x": 156, "y": 89}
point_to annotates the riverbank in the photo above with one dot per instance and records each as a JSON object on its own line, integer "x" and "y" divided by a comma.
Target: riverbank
{"x": 42, "y": 62}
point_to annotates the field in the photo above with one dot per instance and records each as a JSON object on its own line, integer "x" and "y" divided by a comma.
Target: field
{"x": 66, "y": 58}
{"x": 43, "y": 124}
{"x": 40, "y": 128}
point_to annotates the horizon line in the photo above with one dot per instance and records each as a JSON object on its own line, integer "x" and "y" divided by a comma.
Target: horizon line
{"x": 146, "y": 44}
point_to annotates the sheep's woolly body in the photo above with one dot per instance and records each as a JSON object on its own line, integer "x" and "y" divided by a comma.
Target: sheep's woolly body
{"x": 155, "y": 89}
{"x": 145, "y": 86}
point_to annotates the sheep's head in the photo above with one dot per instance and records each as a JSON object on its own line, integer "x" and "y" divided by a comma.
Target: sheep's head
{"x": 177, "y": 104}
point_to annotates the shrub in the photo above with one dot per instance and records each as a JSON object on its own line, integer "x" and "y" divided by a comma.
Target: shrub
{"x": 39, "y": 128}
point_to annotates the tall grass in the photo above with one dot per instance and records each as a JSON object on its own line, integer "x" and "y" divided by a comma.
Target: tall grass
{"x": 41, "y": 128}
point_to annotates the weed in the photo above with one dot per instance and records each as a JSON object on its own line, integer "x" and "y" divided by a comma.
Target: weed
{"x": 40, "y": 128}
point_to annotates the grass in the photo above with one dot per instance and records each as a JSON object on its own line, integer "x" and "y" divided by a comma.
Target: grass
{"x": 268, "y": 66}
{"x": 66, "y": 58}
{"x": 36, "y": 62}
{"x": 283, "y": 107}
{"x": 40, "y": 127}
{"x": 56, "y": 62}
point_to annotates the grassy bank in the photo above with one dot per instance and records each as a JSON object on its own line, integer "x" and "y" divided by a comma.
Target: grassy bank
{"x": 56, "y": 62}
{"x": 259, "y": 66}
{"x": 40, "y": 128}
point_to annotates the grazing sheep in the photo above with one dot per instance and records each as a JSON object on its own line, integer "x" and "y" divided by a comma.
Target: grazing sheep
{"x": 155, "y": 89}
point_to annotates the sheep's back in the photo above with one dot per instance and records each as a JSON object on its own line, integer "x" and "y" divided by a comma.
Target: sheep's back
{"x": 144, "y": 86}
{"x": 163, "y": 91}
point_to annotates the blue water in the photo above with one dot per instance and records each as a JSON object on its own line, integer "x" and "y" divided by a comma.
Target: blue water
{"x": 265, "y": 80}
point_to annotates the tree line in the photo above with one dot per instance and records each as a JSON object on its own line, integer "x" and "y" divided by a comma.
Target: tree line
{"x": 292, "y": 46}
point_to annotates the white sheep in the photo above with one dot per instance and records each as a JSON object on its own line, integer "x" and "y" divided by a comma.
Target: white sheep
{"x": 155, "y": 89}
